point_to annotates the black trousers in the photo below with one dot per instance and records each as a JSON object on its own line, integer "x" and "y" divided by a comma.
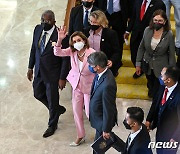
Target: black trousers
{"x": 152, "y": 83}
{"x": 48, "y": 94}
{"x": 116, "y": 22}
{"x": 135, "y": 41}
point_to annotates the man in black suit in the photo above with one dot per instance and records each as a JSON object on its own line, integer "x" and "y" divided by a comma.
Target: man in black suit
{"x": 139, "y": 139}
{"x": 79, "y": 16}
{"x": 138, "y": 22}
{"x": 117, "y": 12}
{"x": 103, "y": 112}
{"x": 164, "y": 113}
{"x": 50, "y": 71}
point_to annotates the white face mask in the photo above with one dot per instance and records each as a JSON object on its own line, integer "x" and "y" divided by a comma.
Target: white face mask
{"x": 78, "y": 45}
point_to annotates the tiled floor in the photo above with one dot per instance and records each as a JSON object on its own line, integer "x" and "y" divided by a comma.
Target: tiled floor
{"x": 23, "y": 119}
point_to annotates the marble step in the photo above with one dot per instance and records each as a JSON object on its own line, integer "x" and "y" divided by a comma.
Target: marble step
{"x": 125, "y": 77}
{"x": 132, "y": 91}
{"x": 126, "y": 59}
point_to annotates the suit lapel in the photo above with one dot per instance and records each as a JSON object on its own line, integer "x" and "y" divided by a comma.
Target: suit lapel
{"x": 139, "y": 8}
{"x": 84, "y": 60}
{"x": 53, "y": 38}
{"x": 135, "y": 139}
{"x": 38, "y": 37}
{"x": 102, "y": 39}
{"x": 148, "y": 11}
{"x": 170, "y": 99}
{"x": 81, "y": 14}
{"x": 76, "y": 60}
{"x": 149, "y": 37}
{"x": 100, "y": 81}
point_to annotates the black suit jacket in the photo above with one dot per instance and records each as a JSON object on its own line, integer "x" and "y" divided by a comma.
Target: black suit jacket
{"x": 167, "y": 120}
{"x": 135, "y": 24}
{"x": 109, "y": 45}
{"x": 103, "y": 112}
{"x": 125, "y": 6}
{"x": 51, "y": 67}
{"x": 138, "y": 146}
{"x": 76, "y": 19}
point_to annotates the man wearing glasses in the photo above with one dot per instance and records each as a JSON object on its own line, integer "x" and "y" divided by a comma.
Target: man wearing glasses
{"x": 49, "y": 71}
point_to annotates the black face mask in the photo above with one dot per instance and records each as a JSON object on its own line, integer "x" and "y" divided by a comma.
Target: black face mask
{"x": 46, "y": 26}
{"x": 157, "y": 26}
{"x": 87, "y": 4}
{"x": 126, "y": 125}
{"x": 94, "y": 27}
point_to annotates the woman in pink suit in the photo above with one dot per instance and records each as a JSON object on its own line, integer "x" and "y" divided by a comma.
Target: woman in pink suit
{"x": 79, "y": 76}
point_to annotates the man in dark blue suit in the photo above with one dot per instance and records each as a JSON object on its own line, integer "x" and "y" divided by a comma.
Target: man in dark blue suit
{"x": 103, "y": 112}
{"x": 50, "y": 71}
{"x": 139, "y": 139}
{"x": 164, "y": 113}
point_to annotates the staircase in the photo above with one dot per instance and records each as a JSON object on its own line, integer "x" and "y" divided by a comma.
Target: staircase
{"x": 127, "y": 86}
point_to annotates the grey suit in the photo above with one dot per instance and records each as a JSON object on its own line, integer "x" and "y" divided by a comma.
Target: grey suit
{"x": 164, "y": 55}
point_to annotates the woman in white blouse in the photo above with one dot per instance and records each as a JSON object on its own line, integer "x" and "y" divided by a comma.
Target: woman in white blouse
{"x": 156, "y": 51}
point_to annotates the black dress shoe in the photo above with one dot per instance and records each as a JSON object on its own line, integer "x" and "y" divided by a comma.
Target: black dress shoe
{"x": 50, "y": 131}
{"x": 62, "y": 110}
{"x": 135, "y": 76}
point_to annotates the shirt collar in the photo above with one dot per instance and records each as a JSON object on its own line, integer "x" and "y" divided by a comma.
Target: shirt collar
{"x": 172, "y": 88}
{"x": 49, "y": 32}
{"x": 99, "y": 33}
{"x": 89, "y": 10}
{"x": 100, "y": 74}
{"x": 133, "y": 135}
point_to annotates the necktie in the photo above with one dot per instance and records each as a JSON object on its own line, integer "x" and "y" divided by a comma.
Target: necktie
{"x": 110, "y": 7}
{"x": 95, "y": 82}
{"x": 86, "y": 19}
{"x": 129, "y": 140}
{"x": 164, "y": 97}
{"x": 143, "y": 8}
{"x": 42, "y": 43}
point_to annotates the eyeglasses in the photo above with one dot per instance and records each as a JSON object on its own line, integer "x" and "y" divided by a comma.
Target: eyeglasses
{"x": 45, "y": 21}
{"x": 158, "y": 21}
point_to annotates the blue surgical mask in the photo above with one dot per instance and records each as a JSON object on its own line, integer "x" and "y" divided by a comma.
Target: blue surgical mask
{"x": 91, "y": 69}
{"x": 161, "y": 81}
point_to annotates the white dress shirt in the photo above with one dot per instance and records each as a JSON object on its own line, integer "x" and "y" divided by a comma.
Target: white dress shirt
{"x": 133, "y": 135}
{"x": 147, "y": 4}
{"x": 116, "y": 5}
{"x": 48, "y": 35}
{"x": 84, "y": 12}
{"x": 170, "y": 90}
{"x": 100, "y": 74}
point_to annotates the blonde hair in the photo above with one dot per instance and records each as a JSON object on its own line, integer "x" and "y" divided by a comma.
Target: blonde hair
{"x": 80, "y": 34}
{"x": 100, "y": 18}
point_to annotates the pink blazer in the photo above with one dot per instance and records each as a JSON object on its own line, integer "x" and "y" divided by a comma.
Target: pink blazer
{"x": 84, "y": 78}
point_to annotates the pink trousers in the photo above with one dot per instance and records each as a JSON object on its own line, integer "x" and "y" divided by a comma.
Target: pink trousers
{"x": 79, "y": 101}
